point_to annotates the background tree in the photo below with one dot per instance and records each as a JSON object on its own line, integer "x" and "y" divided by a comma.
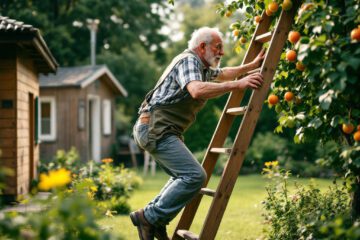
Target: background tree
{"x": 128, "y": 38}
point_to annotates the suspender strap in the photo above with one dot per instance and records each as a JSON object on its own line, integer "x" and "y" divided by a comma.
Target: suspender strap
{"x": 167, "y": 71}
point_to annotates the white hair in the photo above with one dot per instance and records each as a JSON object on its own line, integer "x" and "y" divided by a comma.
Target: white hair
{"x": 204, "y": 34}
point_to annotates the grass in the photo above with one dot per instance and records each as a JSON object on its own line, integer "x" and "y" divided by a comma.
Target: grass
{"x": 242, "y": 219}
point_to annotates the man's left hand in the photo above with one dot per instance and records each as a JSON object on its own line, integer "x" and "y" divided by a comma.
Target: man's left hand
{"x": 260, "y": 57}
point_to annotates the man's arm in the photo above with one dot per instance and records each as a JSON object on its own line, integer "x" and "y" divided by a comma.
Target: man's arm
{"x": 231, "y": 73}
{"x": 206, "y": 90}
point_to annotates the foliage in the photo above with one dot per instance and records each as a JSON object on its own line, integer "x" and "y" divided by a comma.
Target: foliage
{"x": 62, "y": 159}
{"x": 75, "y": 201}
{"x": 63, "y": 25}
{"x": 109, "y": 185}
{"x": 307, "y": 213}
{"x": 325, "y": 86}
{"x": 64, "y": 214}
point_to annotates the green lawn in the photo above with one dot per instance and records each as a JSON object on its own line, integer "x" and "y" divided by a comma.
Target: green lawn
{"x": 242, "y": 218}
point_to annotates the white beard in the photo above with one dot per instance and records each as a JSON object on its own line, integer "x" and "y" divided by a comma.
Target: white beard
{"x": 213, "y": 60}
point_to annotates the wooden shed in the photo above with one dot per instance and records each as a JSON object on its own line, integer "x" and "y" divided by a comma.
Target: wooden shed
{"x": 77, "y": 108}
{"x": 23, "y": 55}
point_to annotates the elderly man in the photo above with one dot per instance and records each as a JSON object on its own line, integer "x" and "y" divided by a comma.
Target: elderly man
{"x": 169, "y": 109}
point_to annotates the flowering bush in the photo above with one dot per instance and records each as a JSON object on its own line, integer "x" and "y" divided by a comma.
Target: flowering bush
{"x": 78, "y": 196}
{"x": 306, "y": 213}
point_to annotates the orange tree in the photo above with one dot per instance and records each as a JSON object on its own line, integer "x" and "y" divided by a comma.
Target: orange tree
{"x": 319, "y": 73}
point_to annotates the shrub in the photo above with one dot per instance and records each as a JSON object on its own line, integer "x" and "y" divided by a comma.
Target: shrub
{"x": 307, "y": 213}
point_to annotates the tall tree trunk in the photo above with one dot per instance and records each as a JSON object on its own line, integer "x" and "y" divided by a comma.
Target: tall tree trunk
{"x": 355, "y": 202}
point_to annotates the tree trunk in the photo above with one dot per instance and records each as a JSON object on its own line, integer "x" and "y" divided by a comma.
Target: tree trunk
{"x": 355, "y": 202}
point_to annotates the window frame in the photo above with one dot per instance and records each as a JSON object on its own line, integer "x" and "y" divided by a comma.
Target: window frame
{"x": 52, "y": 135}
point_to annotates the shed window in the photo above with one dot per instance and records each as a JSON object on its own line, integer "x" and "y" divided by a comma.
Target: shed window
{"x": 106, "y": 117}
{"x": 47, "y": 119}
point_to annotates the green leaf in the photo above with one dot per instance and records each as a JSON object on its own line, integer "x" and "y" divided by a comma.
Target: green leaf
{"x": 300, "y": 116}
{"x": 335, "y": 121}
{"x": 329, "y": 26}
{"x": 305, "y": 40}
{"x": 315, "y": 123}
{"x": 326, "y": 99}
{"x": 249, "y": 9}
{"x": 278, "y": 129}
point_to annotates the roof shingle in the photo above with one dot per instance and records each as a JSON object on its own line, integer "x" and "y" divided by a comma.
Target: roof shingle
{"x": 13, "y": 31}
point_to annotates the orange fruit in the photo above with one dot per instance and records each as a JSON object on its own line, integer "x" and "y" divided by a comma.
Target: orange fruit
{"x": 291, "y": 55}
{"x": 300, "y": 66}
{"x": 294, "y": 37}
{"x": 357, "y": 136}
{"x": 228, "y": 13}
{"x": 257, "y": 19}
{"x": 347, "y": 128}
{"x": 355, "y": 34}
{"x": 287, "y": 5}
{"x": 268, "y": 12}
{"x": 273, "y": 7}
{"x": 289, "y": 96}
{"x": 358, "y": 127}
{"x": 242, "y": 40}
{"x": 273, "y": 99}
{"x": 236, "y": 33}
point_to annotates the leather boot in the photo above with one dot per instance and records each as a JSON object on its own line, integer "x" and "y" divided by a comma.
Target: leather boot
{"x": 145, "y": 229}
{"x": 160, "y": 233}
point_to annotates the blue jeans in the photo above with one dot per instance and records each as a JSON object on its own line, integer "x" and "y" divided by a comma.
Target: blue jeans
{"x": 186, "y": 175}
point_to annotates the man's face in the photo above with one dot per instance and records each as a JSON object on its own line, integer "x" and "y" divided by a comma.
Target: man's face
{"x": 214, "y": 52}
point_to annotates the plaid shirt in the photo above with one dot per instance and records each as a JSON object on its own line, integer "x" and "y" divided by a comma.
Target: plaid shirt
{"x": 173, "y": 89}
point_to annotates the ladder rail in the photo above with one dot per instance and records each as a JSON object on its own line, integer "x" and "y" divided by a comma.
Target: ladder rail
{"x": 247, "y": 127}
{"x": 224, "y": 124}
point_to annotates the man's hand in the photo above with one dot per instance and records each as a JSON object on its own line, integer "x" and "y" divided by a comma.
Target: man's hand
{"x": 260, "y": 57}
{"x": 253, "y": 81}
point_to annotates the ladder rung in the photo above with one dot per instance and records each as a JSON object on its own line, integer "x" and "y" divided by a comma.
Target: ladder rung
{"x": 221, "y": 150}
{"x": 236, "y": 111}
{"x": 263, "y": 38}
{"x": 187, "y": 234}
{"x": 208, "y": 192}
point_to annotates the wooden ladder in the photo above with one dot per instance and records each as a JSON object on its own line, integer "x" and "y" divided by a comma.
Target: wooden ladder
{"x": 250, "y": 113}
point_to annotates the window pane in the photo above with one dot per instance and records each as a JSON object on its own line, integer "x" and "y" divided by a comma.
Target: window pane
{"x": 45, "y": 110}
{"x": 107, "y": 117}
{"x": 45, "y": 126}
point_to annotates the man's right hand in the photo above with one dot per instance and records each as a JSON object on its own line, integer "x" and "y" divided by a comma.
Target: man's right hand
{"x": 253, "y": 81}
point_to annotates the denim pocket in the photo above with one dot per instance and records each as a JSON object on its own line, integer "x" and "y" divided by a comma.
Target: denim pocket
{"x": 141, "y": 137}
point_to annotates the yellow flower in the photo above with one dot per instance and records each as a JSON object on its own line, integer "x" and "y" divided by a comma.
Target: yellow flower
{"x": 268, "y": 164}
{"x": 275, "y": 163}
{"x": 93, "y": 189}
{"x": 55, "y": 179}
{"x": 107, "y": 160}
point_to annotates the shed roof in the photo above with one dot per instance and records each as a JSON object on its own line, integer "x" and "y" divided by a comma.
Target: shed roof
{"x": 24, "y": 35}
{"x": 81, "y": 77}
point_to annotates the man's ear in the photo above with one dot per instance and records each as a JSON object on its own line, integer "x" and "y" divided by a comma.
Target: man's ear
{"x": 202, "y": 47}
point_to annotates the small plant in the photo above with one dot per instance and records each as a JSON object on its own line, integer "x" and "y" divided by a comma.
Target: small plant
{"x": 305, "y": 213}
